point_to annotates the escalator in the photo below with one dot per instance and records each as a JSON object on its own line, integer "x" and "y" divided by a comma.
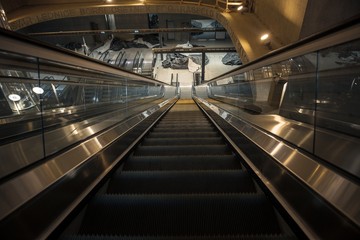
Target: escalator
{"x": 181, "y": 182}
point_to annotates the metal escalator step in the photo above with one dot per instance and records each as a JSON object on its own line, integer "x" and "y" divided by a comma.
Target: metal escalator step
{"x": 185, "y": 182}
{"x": 187, "y": 150}
{"x": 179, "y": 122}
{"x": 237, "y": 237}
{"x": 184, "y": 117}
{"x": 183, "y": 134}
{"x": 182, "y": 141}
{"x": 180, "y": 215}
{"x": 189, "y": 129}
{"x": 165, "y": 163}
{"x": 185, "y": 125}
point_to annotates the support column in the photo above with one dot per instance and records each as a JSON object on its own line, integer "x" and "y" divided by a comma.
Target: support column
{"x": 161, "y": 44}
{"x": 3, "y": 19}
{"x": 203, "y": 66}
{"x": 110, "y": 20}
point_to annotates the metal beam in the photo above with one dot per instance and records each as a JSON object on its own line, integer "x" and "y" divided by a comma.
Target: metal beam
{"x": 194, "y": 50}
{"x": 133, "y": 31}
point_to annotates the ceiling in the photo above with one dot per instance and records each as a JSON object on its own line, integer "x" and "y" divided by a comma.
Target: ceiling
{"x": 283, "y": 19}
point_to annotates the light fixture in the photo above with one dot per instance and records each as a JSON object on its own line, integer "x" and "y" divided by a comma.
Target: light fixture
{"x": 240, "y": 8}
{"x": 14, "y": 97}
{"x": 38, "y": 90}
{"x": 264, "y": 37}
{"x": 108, "y": 1}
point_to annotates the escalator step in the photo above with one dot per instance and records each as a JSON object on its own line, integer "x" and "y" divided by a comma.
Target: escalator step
{"x": 183, "y": 134}
{"x": 203, "y": 150}
{"x": 180, "y": 215}
{"x": 140, "y": 163}
{"x": 182, "y": 141}
{"x": 182, "y": 123}
{"x": 244, "y": 237}
{"x": 189, "y": 129}
{"x": 185, "y": 182}
{"x": 185, "y": 119}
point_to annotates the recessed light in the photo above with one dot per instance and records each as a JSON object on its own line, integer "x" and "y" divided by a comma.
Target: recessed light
{"x": 264, "y": 37}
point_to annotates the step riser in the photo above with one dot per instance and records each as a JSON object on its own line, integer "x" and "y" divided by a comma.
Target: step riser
{"x": 180, "y": 141}
{"x": 178, "y": 215}
{"x": 182, "y": 150}
{"x": 170, "y": 163}
{"x": 188, "y": 182}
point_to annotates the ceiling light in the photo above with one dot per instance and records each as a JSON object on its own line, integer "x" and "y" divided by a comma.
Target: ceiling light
{"x": 108, "y": 1}
{"x": 14, "y": 97}
{"x": 38, "y": 90}
{"x": 240, "y": 8}
{"x": 264, "y": 37}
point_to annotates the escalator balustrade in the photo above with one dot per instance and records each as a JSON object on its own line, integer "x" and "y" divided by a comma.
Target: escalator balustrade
{"x": 181, "y": 182}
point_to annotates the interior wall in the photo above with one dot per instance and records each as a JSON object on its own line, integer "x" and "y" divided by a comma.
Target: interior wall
{"x": 12, "y": 5}
{"x": 323, "y": 14}
{"x": 180, "y": 21}
{"x": 290, "y": 13}
{"x": 131, "y": 21}
{"x": 68, "y": 24}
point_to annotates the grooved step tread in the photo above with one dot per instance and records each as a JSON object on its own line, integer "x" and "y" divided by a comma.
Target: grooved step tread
{"x": 183, "y": 134}
{"x": 180, "y": 215}
{"x": 182, "y": 141}
{"x": 181, "y": 183}
{"x": 241, "y": 237}
{"x": 203, "y": 150}
{"x": 186, "y": 182}
{"x": 184, "y": 125}
{"x": 189, "y": 129}
{"x": 136, "y": 163}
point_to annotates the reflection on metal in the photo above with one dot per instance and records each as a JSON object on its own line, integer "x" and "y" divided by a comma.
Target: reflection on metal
{"x": 339, "y": 149}
{"x": 77, "y": 100}
{"x": 14, "y": 97}
{"x": 309, "y": 99}
{"x": 21, "y": 189}
{"x": 29, "y": 150}
{"x": 339, "y": 191}
{"x": 38, "y": 90}
{"x": 299, "y": 134}
{"x": 3, "y": 19}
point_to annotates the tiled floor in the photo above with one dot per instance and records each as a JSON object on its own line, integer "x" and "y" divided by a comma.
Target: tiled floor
{"x": 213, "y": 69}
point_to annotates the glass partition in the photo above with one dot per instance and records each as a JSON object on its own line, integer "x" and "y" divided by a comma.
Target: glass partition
{"x": 311, "y": 101}
{"x": 47, "y": 106}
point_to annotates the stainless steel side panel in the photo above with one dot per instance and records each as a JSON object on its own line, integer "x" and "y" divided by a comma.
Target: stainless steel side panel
{"x": 16, "y": 155}
{"x": 339, "y": 191}
{"x": 13, "y": 155}
{"x": 298, "y": 133}
{"x": 17, "y": 191}
{"x": 339, "y": 149}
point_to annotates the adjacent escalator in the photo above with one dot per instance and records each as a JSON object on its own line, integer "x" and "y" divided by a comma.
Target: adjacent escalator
{"x": 182, "y": 182}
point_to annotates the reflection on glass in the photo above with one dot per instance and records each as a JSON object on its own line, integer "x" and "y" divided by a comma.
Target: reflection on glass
{"x": 38, "y": 90}
{"x": 273, "y": 95}
{"x": 338, "y": 89}
{"x": 14, "y": 97}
